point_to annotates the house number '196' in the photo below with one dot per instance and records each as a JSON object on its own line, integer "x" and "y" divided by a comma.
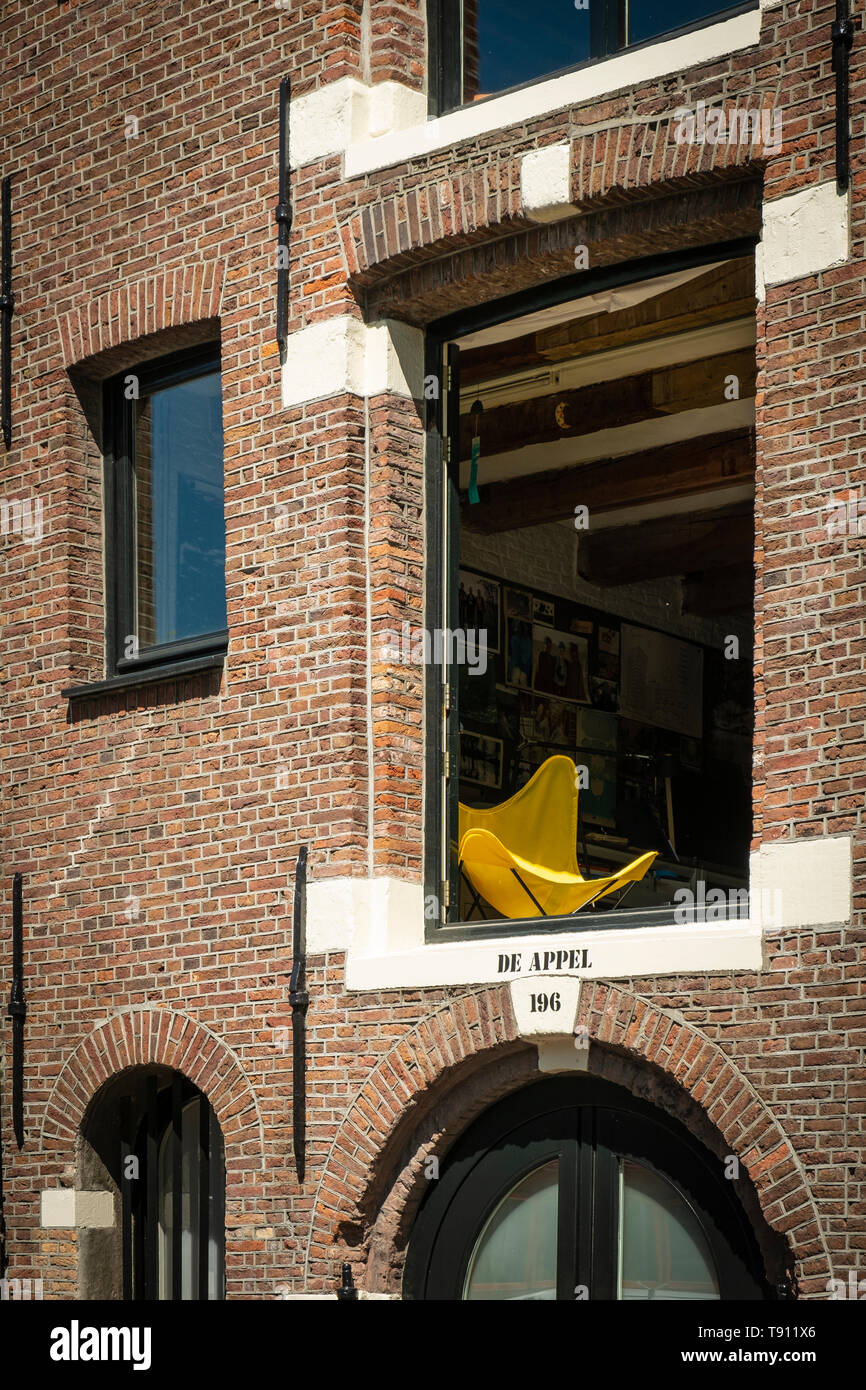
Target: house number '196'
{"x": 540, "y": 1003}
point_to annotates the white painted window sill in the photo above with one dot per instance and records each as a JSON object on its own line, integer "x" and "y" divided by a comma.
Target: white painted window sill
{"x": 616, "y": 954}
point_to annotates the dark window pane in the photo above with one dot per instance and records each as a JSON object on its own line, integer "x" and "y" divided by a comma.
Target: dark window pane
{"x": 507, "y": 43}
{"x": 648, "y": 18}
{"x": 180, "y": 527}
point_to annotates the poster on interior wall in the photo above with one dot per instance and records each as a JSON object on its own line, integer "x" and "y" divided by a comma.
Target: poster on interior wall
{"x": 478, "y": 607}
{"x": 518, "y": 652}
{"x": 596, "y": 730}
{"x": 547, "y": 722}
{"x": 543, "y": 610}
{"x": 598, "y": 799}
{"x": 479, "y": 700}
{"x": 560, "y": 664}
{"x": 607, "y": 659}
{"x": 662, "y": 681}
{"x": 480, "y": 759}
{"x": 605, "y": 694}
{"x": 518, "y": 604}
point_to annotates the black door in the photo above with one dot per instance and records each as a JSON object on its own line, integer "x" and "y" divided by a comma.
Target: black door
{"x": 573, "y": 1189}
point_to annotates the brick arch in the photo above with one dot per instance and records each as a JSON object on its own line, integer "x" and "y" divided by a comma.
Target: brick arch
{"x": 479, "y": 206}
{"x": 136, "y": 1036}
{"x": 412, "y": 1107}
{"x": 460, "y": 271}
{"x": 137, "y": 309}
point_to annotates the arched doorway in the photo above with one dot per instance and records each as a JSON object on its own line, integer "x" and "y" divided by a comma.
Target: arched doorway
{"x": 152, "y": 1136}
{"x": 573, "y": 1189}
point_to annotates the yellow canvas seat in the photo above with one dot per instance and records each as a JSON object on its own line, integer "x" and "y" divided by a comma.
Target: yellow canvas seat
{"x": 522, "y": 856}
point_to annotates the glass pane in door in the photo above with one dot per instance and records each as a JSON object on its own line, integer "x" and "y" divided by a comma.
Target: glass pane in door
{"x": 515, "y": 1255}
{"x": 663, "y": 1252}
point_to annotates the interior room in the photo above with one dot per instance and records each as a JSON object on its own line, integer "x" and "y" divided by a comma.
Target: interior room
{"x": 606, "y": 485}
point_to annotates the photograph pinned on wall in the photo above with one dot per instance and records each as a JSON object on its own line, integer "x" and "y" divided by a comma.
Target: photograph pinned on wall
{"x": 560, "y": 664}
{"x": 518, "y": 652}
{"x": 543, "y": 611}
{"x": 480, "y": 759}
{"x": 607, "y": 665}
{"x": 605, "y": 694}
{"x": 550, "y": 723}
{"x": 478, "y": 601}
{"x": 518, "y": 604}
{"x": 598, "y": 799}
{"x": 596, "y": 730}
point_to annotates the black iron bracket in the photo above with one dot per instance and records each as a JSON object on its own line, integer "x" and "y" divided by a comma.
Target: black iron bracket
{"x": 842, "y": 36}
{"x": 283, "y": 217}
{"x": 299, "y": 1000}
{"x": 17, "y": 1010}
{"x": 346, "y": 1291}
{"x": 7, "y": 309}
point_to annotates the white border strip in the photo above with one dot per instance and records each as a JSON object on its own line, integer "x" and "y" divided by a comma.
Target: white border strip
{"x": 598, "y": 955}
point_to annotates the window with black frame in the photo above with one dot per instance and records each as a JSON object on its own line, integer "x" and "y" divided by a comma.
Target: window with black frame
{"x": 577, "y": 1191}
{"x": 152, "y": 1139}
{"x": 166, "y": 525}
{"x": 481, "y": 47}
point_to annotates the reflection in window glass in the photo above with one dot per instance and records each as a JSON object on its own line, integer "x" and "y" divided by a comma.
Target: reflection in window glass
{"x": 649, "y": 18}
{"x": 515, "y": 1255}
{"x": 505, "y": 43}
{"x": 663, "y": 1251}
{"x": 180, "y": 527}
{"x": 192, "y": 1163}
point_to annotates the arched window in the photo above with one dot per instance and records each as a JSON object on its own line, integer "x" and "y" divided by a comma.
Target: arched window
{"x": 573, "y": 1189}
{"x": 156, "y": 1138}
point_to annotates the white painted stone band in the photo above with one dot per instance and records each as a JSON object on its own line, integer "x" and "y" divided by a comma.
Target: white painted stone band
{"x": 542, "y": 98}
{"x": 379, "y": 922}
{"x": 342, "y": 355}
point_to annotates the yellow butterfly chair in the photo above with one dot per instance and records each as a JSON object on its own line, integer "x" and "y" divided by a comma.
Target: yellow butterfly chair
{"x": 522, "y": 856}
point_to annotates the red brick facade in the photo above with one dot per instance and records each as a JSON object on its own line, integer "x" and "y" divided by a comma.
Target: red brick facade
{"x": 157, "y": 828}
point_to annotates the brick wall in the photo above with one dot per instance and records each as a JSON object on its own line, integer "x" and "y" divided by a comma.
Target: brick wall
{"x": 157, "y": 829}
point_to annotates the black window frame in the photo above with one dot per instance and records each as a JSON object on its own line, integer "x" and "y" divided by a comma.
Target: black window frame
{"x": 445, "y": 47}
{"x": 120, "y": 558}
{"x": 145, "y": 1118}
{"x": 442, "y": 519}
{"x": 587, "y": 1124}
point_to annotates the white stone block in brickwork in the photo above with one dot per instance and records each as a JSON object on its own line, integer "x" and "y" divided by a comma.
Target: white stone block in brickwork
{"x": 327, "y": 120}
{"x": 545, "y": 183}
{"x": 802, "y": 883}
{"x": 803, "y": 234}
{"x": 545, "y": 1008}
{"x": 64, "y": 1208}
{"x": 343, "y": 355}
{"x": 58, "y": 1208}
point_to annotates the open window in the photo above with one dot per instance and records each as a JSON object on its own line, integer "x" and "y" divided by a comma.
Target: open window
{"x": 481, "y": 47}
{"x": 596, "y": 538}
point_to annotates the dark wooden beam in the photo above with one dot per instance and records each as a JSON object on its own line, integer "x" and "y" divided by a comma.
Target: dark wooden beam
{"x": 654, "y": 475}
{"x": 609, "y": 404}
{"x": 727, "y": 589}
{"x": 677, "y": 544}
{"x": 719, "y": 296}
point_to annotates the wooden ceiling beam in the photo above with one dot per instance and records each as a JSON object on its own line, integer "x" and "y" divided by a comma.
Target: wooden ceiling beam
{"x": 609, "y": 404}
{"x": 720, "y": 296}
{"x": 728, "y": 589}
{"x": 654, "y": 475}
{"x": 668, "y": 546}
